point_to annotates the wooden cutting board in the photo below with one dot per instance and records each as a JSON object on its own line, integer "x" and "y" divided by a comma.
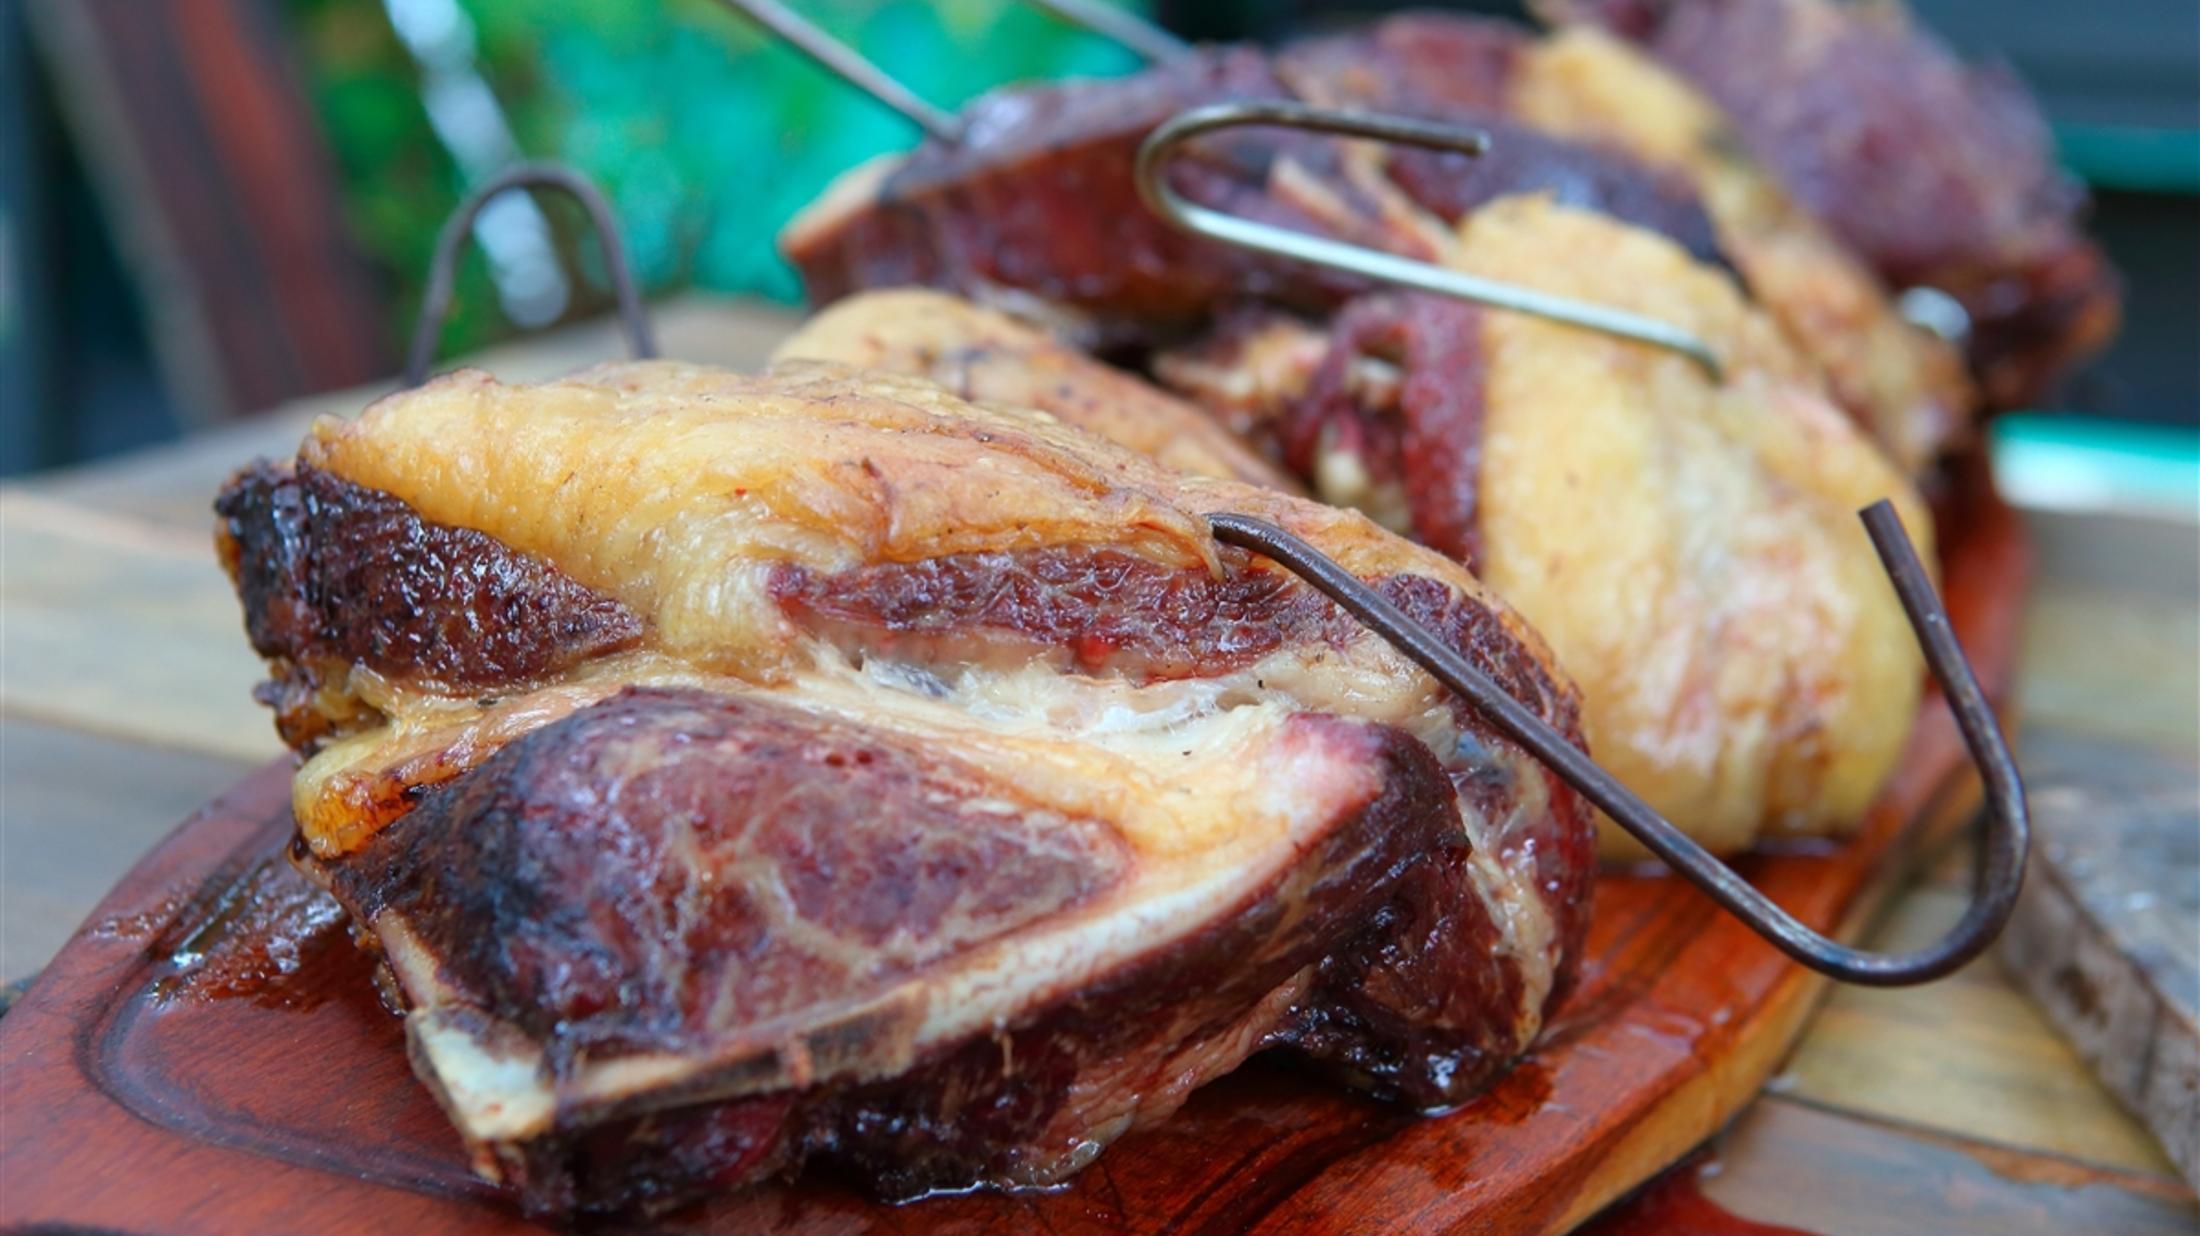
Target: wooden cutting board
{"x": 2107, "y": 935}
{"x": 207, "y": 1054}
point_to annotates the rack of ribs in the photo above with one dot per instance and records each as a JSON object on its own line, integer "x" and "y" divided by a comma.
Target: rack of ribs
{"x": 737, "y": 771}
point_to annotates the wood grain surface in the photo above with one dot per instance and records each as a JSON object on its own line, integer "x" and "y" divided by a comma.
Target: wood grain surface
{"x": 2107, "y": 936}
{"x": 214, "y": 1018}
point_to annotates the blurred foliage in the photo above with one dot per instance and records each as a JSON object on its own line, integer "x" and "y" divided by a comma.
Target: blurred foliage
{"x": 706, "y": 133}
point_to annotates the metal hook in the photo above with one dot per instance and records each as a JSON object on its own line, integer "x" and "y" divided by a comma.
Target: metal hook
{"x": 848, "y": 64}
{"x": 435, "y": 305}
{"x": 2001, "y": 865}
{"x": 1161, "y": 145}
{"x": 1121, "y": 25}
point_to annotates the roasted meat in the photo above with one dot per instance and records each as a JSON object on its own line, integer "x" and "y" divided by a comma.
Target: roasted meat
{"x": 1762, "y": 681}
{"x": 984, "y": 355}
{"x": 1598, "y": 102}
{"x": 1689, "y": 548}
{"x": 1942, "y": 175}
{"x": 735, "y": 771}
{"x": 1021, "y": 213}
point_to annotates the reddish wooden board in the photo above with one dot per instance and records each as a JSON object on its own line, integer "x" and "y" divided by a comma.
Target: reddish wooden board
{"x": 208, "y": 1054}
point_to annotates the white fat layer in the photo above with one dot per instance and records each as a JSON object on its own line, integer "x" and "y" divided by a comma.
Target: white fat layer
{"x": 493, "y": 1085}
{"x": 1342, "y": 479}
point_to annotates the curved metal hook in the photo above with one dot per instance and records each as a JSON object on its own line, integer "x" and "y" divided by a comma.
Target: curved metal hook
{"x": 2001, "y": 865}
{"x": 435, "y": 304}
{"x": 1161, "y": 144}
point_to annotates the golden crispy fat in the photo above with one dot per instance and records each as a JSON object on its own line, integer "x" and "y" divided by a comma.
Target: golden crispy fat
{"x": 1691, "y": 549}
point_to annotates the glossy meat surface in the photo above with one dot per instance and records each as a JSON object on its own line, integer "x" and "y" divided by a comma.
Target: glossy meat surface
{"x": 1940, "y": 174}
{"x": 960, "y": 805}
{"x": 1462, "y": 71}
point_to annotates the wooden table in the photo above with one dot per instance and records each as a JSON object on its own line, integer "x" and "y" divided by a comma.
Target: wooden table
{"x": 124, "y": 704}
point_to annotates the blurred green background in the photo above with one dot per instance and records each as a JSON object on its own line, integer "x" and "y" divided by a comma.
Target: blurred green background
{"x": 707, "y": 134}
{"x": 209, "y": 207}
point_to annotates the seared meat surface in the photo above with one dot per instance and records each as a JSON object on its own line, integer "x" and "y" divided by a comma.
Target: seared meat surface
{"x": 335, "y": 577}
{"x": 889, "y": 779}
{"x": 1940, "y": 174}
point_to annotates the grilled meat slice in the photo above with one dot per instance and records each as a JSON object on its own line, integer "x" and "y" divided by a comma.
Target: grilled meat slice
{"x": 941, "y": 799}
{"x": 1689, "y": 548}
{"x": 1604, "y": 127}
{"x": 1941, "y": 174}
{"x": 985, "y": 355}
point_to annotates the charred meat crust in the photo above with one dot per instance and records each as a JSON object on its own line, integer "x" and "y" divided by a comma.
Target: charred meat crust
{"x": 1522, "y": 160}
{"x": 545, "y": 907}
{"x": 1039, "y": 201}
{"x": 333, "y": 575}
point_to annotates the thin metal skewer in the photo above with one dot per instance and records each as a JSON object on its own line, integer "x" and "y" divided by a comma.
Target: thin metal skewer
{"x": 849, "y": 65}
{"x": 435, "y": 303}
{"x": 2001, "y": 865}
{"x": 1153, "y": 186}
{"x": 1121, "y": 25}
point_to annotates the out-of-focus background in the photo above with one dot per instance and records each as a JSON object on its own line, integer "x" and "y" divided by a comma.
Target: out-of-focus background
{"x": 208, "y": 207}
